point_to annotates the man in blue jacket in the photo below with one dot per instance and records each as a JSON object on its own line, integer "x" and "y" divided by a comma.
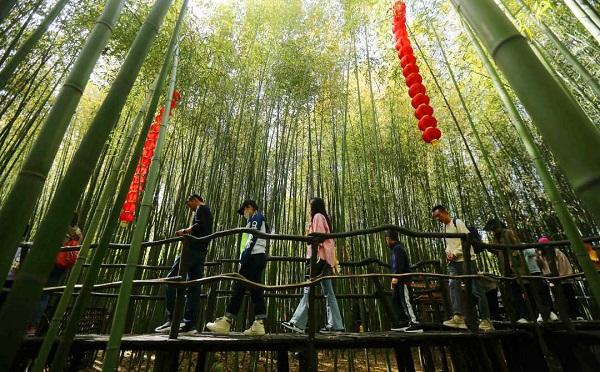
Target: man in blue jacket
{"x": 252, "y": 265}
{"x": 400, "y": 290}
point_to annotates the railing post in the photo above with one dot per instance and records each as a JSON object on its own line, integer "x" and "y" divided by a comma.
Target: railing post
{"x": 470, "y": 312}
{"x": 312, "y": 312}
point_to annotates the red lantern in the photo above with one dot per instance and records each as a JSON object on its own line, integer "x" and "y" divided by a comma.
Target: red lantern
{"x": 410, "y": 69}
{"x": 406, "y": 51}
{"x": 129, "y": 207}
{"x": 176, "y": 95}
{"x": 398, "y": 46}
{"x": 413, "y": 78}
{"x": 416, "y": 89}
{"x": 423, "y": 110}
{"x": 426, "y": 122}
{"x": 153, "y": 136}
{"x": 155, "y": 128}
{"x": 431, "y": 134}
{"x": 419, "y": 99}
{"x": 148, "y": 153}
{"x": 131, "y": 197}
{"x": 408, "y": 60}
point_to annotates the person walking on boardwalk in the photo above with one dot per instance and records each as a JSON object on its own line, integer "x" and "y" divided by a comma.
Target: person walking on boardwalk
{"x": 564, "y": 268}
{"x": 400, "y": 289}
{"x": 252, "y": 265}
{"x": 326, "y": 265}
{"x": 454, "y": 254}
{"x": 202, "y": 226}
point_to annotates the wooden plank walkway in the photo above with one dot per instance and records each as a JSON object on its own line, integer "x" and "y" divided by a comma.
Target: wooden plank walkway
{"x": 279, "y": 341}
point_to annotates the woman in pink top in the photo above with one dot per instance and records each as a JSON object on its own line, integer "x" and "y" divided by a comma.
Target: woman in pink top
{"x": 327, "y": 262}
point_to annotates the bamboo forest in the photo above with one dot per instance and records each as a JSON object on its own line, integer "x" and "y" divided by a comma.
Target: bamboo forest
{"x": 300, "y": 185}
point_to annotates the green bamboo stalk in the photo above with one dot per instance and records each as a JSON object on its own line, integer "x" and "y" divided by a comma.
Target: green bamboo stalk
{"x": 20, "y": 201}
{"x": 584, "y": 18}
{"x": 31, "y": 41}
{"x": 5, "y": 8}
{"x": 491, "y": 169}
{"x": 95, "y": 223}
{"x": 549, "y": 185}
{"x": 566, "y": 129}
{"x": 16, "y": 313}
{"x": 111, "y": 359}
{"x": 571, "y": 59}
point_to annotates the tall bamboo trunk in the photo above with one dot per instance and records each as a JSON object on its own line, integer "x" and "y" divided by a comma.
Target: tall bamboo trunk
{"x": 552, "y": 111}
{"x": 20, "y": 304}
{"x": 20, "y": 202}
{"x": 31, "y": 41}
{"x": 111, "y": 359}
{"x": 589, "y": 20}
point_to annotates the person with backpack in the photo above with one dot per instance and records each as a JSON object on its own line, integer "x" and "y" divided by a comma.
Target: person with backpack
{"x": 327, "y": 264}
{"x": 454, "y": 255}
{"x": 252, "y": 265}
{"x": 401, "y": 298}
{"x": 202, "y": 225}
{"x": 65, "y": 259}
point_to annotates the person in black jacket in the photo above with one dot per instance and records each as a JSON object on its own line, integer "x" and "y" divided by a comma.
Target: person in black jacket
{"x": 202, "y": 226}
{"x": 400, "y": 290}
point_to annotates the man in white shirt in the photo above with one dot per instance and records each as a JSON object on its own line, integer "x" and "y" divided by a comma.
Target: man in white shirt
{"x": 454, "y": 254}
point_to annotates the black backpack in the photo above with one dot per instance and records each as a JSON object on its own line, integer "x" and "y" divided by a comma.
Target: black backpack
{"x": 474, "y": 235}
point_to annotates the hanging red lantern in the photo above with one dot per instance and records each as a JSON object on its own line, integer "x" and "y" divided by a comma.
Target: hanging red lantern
{"x": 426, "y": 122}
{"x": 408, "y": 60}
{"x": 413, "y": 78}
{"x": 410, "y": 69}
{"x": 423, "y": 110}
{"x": 406, "y": 51}
{"x": 129, "y": 207}
{"x": 176, "y": 95}
{"x": 431, "y": 135}
{"x": 416, "y": 89}
{"x": 419, "y": 100}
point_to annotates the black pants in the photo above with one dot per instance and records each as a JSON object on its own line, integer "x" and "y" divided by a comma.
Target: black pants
{"x": 192, "y": 298}
{"x": 513, "y": 289}
{"x": 251, "y": 270}
{"x": 539, "y": 287}
{"x": 569, "y": 291}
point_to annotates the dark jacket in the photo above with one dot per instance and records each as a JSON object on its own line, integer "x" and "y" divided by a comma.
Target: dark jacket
{"x": 399, "y": 259}
{"x": 203, "y": 225}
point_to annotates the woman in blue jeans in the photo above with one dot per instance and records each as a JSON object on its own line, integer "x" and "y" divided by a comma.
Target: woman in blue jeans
{"x": 327, "y": 261}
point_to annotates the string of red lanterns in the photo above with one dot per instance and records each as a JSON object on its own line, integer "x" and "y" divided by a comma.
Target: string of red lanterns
{"x": 414, "y": 81}
{"x": 139, "y": 179}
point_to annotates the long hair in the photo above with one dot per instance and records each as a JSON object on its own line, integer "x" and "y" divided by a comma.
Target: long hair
{"x": 317, "y": 205}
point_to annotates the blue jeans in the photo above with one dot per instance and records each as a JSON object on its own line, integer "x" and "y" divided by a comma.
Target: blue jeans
{"x": 55, "y": 276}
{"x": 192, "y": 298}
{"x": 457, "y": 268}
{"x": 334, "y": 318}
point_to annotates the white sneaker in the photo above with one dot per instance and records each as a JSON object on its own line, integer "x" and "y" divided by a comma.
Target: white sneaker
{"x": 257, "y": 329}
{"x": 166, "y": 327}
{"x": 457, "y": 321}
{"x": 580, "y": 318}
{"x": 523, "y": 321}
{"x": 553, "y": 317}
{"x": 539, "y": 318}
{"x": 486, "y": 325}
{"x": 220, "y": 326}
